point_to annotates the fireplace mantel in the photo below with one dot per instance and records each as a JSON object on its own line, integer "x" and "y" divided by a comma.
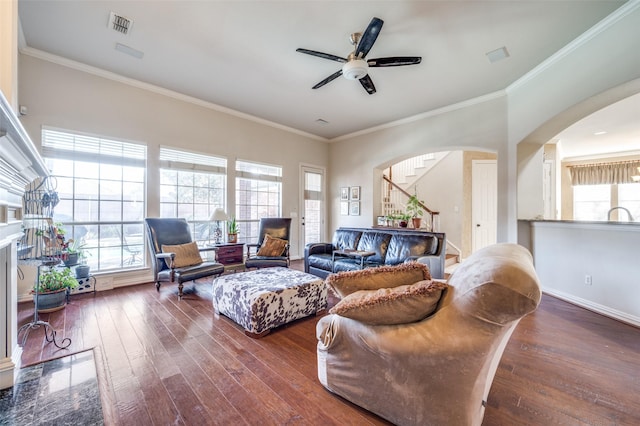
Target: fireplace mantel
{"x": 20, "y": 164}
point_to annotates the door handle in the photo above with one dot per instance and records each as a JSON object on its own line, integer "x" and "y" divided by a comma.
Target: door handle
{"x": 477, "y": 225}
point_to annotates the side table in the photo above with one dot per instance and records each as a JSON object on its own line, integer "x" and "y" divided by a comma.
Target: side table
{"x": 231, "y": 255}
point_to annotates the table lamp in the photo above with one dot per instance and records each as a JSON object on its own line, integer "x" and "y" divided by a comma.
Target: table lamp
{"x": 218, "y": 216}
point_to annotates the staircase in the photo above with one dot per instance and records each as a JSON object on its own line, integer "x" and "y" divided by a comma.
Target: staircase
{"x": 404, "y": 176}
{"x": 396, "y": 182}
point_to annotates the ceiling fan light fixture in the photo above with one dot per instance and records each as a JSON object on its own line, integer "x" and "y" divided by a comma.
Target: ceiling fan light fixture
{"x": 355, "y": 69}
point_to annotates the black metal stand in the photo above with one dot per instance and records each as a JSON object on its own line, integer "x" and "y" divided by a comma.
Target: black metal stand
{"x": 49, "y": 332}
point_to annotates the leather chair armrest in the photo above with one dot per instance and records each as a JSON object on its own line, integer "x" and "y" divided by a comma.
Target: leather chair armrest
{"x": 255, "y": 246}
{"x": 207, "y": 248}
{"x": 168, "y": 255}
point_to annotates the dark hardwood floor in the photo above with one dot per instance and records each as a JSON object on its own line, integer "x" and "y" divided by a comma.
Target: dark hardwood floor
{"x": 163, "y": 362}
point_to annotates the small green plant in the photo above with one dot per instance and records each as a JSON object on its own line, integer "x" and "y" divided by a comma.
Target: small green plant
{"x": 56, "y": 279}
{"x": 232, "y": 226}
{"x": 414, "y": 207}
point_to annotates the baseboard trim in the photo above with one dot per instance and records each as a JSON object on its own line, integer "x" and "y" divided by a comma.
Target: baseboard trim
{"x": 595, "y": 307}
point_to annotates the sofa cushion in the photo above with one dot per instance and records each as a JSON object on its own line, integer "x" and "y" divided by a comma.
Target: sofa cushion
{"x": 349, "y": 264}
{"x": 345, "y": 239}
{"x": 377, "y": 242}
{"x": 320, "y": 261}
{"x": 186, "y": 254}
{"x": 272, "y": 246}
{"x": 344, "y": 283}
{"x": 398, "y": 305}
{"x": 403, "y": 246}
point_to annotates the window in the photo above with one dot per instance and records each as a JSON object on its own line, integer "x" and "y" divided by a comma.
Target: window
{"x": 593, "y": 202}
{"x": 192, "y": 186}
{"x": 101, "y": 186}
{"x": 258, "y": 194}
{"x": 629, "y": 197}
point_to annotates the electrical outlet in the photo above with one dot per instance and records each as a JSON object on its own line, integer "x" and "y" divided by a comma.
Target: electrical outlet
{"x": 587, "y": 279}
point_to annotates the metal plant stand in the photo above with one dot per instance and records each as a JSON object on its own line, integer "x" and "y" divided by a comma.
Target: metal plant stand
{"x": 38, "y": 203}
{"x": 49, "y": 332}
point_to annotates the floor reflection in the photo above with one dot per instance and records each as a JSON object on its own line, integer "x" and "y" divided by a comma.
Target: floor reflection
{"x": 62, "y": 391}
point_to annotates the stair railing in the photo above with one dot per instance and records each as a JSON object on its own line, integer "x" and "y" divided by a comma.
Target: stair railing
{"x": 434, "y": 222}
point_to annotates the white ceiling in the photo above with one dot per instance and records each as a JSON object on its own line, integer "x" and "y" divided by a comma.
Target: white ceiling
{"x": 242, "y": 55}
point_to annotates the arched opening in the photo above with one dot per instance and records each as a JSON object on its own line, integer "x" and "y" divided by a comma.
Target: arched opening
{"x": 593, "y": 132}
{"x": 444, "y": 180}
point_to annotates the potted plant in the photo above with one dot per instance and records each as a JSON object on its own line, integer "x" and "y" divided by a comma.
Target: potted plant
{"x": 404, "y": 219}
{"x": 77, "y": 256}
{"x": 72, "y": 252}
{"x": 415, "y": 210}
{"x": 52, "y": 288}
{"x": 232, "y": 230}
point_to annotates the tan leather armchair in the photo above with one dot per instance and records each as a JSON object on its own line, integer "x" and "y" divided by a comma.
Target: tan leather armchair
{"x": 437, "y": 371}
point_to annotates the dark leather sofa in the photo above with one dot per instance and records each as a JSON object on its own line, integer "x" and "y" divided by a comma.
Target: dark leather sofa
{"x": 392, "y": 246}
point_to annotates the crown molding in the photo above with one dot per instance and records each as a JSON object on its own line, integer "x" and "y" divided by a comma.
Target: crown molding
{"x": 39, "y": 54}
{"x": 606, "y": 23}
{"x": 446, "y": 109}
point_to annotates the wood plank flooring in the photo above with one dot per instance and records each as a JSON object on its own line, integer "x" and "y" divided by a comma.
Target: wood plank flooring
{"x": 163, "y": 362}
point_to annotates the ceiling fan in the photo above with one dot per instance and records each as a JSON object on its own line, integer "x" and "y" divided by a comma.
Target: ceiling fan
{"x": 355, "y": 66}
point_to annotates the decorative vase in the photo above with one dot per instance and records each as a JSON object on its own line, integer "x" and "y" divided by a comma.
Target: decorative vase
{"x": 403, "y": 224}
{"x": 51, "y": 301}
{"x": 416, "y": 222}
{"x": 232, "y": 238}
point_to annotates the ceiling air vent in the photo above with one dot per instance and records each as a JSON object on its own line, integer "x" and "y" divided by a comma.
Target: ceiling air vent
{"x": 120, "y": 23}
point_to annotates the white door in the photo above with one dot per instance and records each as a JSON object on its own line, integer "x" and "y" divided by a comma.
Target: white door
{"x": 484, "y": 202}
{"x": 312, "y": 206}
{"x": 548, "y": 198}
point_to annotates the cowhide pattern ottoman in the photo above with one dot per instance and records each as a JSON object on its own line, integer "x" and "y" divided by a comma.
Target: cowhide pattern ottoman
{"x": 266, "y": 298}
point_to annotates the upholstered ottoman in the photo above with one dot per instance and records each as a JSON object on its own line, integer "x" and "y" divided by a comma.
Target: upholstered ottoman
{"x": 266, "y": 298}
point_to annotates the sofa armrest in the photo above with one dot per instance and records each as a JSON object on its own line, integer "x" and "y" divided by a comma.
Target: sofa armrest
{"x": 315, "y": 248}
{"x": 435, "y": 263}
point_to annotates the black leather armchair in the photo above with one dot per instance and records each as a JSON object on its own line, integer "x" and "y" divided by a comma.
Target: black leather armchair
{"x": 170, "y": 231}
{"x": 277, "y": 227}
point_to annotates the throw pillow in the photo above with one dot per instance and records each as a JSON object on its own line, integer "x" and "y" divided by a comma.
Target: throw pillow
{"x": 388, "y": 306}
{"x": 186, "y": 254}
{"x": 344, "y": 283}
{"x": 272, "y": 246}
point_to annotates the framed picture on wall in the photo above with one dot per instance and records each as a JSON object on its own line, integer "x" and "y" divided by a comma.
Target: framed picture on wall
{"x": 354, "y": 194}
{"x": 344, "y": 194}
{"x": 354, "y": 208}
{"x": 344, "y": 208}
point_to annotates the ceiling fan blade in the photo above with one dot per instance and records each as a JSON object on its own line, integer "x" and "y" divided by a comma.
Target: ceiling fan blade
{"x": 322, "y": 55}
{"x": 328, "y": 79}
{"x": 369, "y": 37}
{"x": 367, "y": 83}
{"x": 395, "y": 61}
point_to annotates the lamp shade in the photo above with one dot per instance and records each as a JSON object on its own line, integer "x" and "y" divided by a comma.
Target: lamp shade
{"x": 218, "y": 215}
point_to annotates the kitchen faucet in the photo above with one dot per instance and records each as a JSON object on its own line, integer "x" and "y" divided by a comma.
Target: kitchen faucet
{"x": 622, "y": 208}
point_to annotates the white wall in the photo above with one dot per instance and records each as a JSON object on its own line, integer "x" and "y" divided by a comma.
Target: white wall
{"x": 530, "y": 181}
{"x": 67, "y": 98}
{"x": 442, "y": 190}
{"x": 479, "y": 125}
{"x": 566, "y": 253}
